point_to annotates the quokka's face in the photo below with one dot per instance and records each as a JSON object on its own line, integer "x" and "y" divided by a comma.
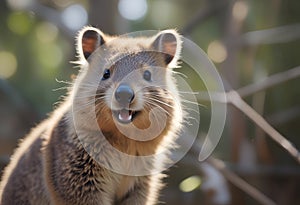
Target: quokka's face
{"x": 132, "y": 87}
{"x": 133, "y": 76}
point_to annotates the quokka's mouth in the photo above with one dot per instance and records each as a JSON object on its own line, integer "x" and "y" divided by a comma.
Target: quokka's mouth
{"x": 125, "y": 116}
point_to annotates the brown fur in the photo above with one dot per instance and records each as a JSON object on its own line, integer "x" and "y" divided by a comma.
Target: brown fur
{"x": 53, "y": 164}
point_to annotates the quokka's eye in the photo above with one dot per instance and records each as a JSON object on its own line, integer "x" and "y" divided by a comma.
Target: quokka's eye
{"x": 147, "y": 75}
{"x": 106, "y": 74}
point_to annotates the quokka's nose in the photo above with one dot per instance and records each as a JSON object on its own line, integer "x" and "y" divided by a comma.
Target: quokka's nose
{"x": 124, "y": 94}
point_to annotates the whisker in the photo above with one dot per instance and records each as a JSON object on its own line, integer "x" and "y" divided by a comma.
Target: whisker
{"x": 97, "y": 96}
{"x": 158, "y": 106}
{"x": 157, "y": 95}
{"x": 86, "y": 105}
{"x": 191, "y": 109}
{"x": 193, "y": 103}
{"x": 179, "y": 73}
{"x": 65, "y": 82}
{"x": 155, "y": 86}
{"x": 159, "y": 101}
{"x": 89, "y": 85}
{"x": 192, "y": 118}
{"x": 61, "y": 88}
{"x": 156, "y": 118}
{"x": 189, "y": 92}
{"x": 86, "y": 92}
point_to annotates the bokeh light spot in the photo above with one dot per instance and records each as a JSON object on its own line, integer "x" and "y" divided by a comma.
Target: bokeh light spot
{"x": 8, "y": 64}
{"x": 46, "y": 32}
{"x": 240, "y": 10}
{"x": 62, "y": 3}
{"x": 190, "y": 184}
{"x": 74, "y": 17}
{"x": 19, "y": 22}
{"x": 216, "y": 51}
{"x": 133, "y": 9}
{"x": 50, "y": 56}
{"x": 162, "y": 19}
{"x": 19, "y": 4}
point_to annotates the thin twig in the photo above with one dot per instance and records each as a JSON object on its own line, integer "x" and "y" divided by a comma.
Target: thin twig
{"x": 284, "y": 116}
{"x": 231, "y": 176}
{"x": 270, "y": 81}
{"x": 201, "y": 16}
{"x": 51, "y": 15}
{"x": 234, "y": 98}
{"x": 281, "y": 34}
{"x": 239, "y": 182}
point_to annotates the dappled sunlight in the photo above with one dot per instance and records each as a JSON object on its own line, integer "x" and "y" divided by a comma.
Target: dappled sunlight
{"x": 190, "y": 184}
{"x": 240, "y": 10}
{"x": 158, "y": 18}
{"x": 46, "y": 32}
{"x": 8, "y": 64}
{"x": 49, "y": 56}
{"x": 133, "y": 9}
{"x": 217, "y": 51}
{"x": 74, "y": 17}
{"x": 19, "y": 22}
{"x": 19, "y": 4}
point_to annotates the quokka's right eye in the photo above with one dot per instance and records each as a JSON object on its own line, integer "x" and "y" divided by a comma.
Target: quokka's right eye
{"x": 106, "y": 74}
{"x": 147, "y": 75}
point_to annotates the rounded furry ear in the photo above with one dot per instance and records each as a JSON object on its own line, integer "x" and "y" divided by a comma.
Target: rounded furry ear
{"x": 89, "y": 39}
{"x": 169, "y": 43}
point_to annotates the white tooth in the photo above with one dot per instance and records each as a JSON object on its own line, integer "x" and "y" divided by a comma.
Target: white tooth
{"x": 129, "y": 117}
{"x": 122, "y": 118}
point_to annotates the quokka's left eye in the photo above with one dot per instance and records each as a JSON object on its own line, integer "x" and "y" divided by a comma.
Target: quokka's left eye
{"x": 106, "y": 74}
{"x": 147, "y": 75}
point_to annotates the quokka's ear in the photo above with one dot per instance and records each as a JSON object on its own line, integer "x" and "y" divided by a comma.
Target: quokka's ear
{"x": 89, "y": 39}
{"x": 169, "y": 43}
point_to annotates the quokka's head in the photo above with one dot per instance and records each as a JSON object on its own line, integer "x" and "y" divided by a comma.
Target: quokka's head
{"x": 131, "y": 76}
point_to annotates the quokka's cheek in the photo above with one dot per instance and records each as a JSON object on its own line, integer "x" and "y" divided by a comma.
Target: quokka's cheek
{"x": 142, "y": 120}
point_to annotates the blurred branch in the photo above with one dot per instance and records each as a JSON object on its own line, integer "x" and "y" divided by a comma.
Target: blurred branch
{"x": 234, "y": 98}
{"x": 239, "y": 182}
{"x": 265, "y": 170}
{"x": 102, "y": 14}
{"x": 16, "y": 100}
{"x": 270, "y": 81}
{"x": 8, "y": 91}
{"x": 51, "y": 15}
{"x": 202, "y": 16}
{"x": 25, "y": 112}
{"x": 231, "y": 176}
{"x": 284, "y": 116}
{"x": 48, "y": 14}
{"x": 282, "y": 34}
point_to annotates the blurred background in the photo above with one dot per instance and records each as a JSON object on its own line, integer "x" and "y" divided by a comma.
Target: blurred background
{"x": 251, "y": 43}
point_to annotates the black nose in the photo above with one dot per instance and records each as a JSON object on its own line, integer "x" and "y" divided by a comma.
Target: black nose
{"x": 124, "y": 94}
